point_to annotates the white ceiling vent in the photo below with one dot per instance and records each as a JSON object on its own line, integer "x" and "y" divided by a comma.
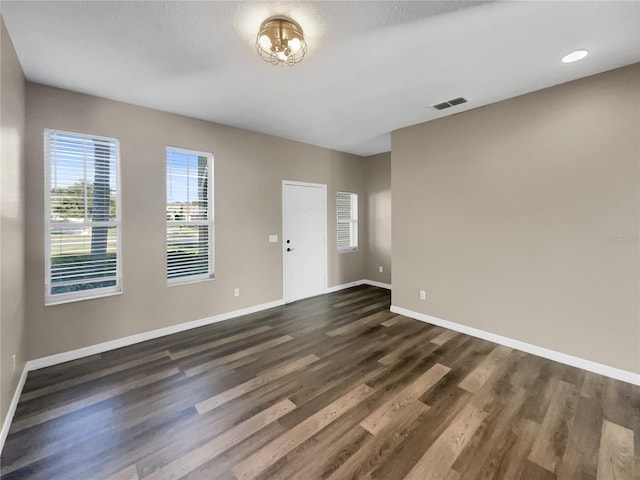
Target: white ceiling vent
{"x": 450, "y": 103}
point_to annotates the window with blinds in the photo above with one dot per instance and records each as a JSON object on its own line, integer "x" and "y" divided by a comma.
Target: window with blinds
{"x": 347, "y": 226}
{"x": 82, "y": 218}
{"x": 189, "y": 216}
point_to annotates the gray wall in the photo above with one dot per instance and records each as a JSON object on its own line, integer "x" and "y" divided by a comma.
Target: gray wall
{"x": 521, "y": 218}
{"x": 12, "y": 234}
{"x": 249, "y": 169}
{"x": 378, "y": 170}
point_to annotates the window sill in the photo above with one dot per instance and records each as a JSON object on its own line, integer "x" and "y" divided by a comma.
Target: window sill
{"x": 51, "y": 301}
{"x": 189, "y": 281}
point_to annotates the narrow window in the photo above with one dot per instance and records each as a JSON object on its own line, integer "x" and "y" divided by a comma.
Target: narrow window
{"x": 82, "y": 217}
{"x": 189, "y": 216}
{"x": 347, "y": 215}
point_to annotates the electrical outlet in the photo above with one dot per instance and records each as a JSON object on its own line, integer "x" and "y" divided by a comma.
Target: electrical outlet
{"x": 380, "y": 269}
{"x": 13, "y": 359}
{"x": 423, "y": 295}
{"x": 236, "y": 292}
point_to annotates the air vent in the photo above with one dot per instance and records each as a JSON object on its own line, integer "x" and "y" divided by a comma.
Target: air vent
{"x": 450, "y": 103}
{"x": 442, "y": 106}
{"x": 458, "y": 101}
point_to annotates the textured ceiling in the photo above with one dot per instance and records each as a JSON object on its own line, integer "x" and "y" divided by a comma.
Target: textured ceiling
{"x": 372, "y": 67}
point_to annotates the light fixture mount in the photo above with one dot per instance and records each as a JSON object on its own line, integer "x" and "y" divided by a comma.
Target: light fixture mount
{"x": 280, "y": 41}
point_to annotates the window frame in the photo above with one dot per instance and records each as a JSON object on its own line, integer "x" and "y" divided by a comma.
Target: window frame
{"x": 211, "y": 274}
{"x": 353, "y": 223}
{"x": 117, "y": 289}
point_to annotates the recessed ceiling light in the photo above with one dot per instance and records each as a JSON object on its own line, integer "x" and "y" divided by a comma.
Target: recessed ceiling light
{"x": 574, "y": 56}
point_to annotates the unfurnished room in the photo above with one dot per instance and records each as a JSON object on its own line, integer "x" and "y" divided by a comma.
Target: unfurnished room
{"x": 326, "y": 240}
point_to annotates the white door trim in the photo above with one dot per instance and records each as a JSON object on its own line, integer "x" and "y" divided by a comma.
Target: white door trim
{"x": 323, "y": 186}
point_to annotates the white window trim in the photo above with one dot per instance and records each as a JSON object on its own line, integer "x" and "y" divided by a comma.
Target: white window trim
{"x": 117, "y": 289}
{"x": 354, "y": 224}
{"x": 174, "y": 282}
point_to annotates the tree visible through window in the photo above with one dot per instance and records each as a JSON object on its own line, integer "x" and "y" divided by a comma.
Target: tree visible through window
{"x": 83, "y": 225}
{"x": 189, "y": 215}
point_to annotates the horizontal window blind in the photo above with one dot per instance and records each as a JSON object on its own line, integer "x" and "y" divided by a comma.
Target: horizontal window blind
{"x": 347, "y": 220}
{"x": 83, "y": 225}
{"x": 189, "y": 215}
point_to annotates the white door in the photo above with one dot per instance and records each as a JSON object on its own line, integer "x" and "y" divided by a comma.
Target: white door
{"x": 304, "y": 239}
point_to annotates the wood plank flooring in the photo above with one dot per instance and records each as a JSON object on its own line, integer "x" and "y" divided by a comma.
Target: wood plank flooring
{"x": 334, "y": 387}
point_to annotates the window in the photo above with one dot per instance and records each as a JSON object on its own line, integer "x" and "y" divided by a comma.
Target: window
{"x": 347, "y": 214}
{"x": 189, "y": 216}
{"x": 82, "y": 217}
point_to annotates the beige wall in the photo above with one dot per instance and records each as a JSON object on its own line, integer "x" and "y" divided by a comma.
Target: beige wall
{"x": 12, "y": 287}
{"x": 521, "y": 218}
{"x": 378, "y": 170}
{"x": 249, "y": 169}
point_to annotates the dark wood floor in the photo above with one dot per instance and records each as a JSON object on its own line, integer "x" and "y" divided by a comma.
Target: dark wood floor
{"x": 334, "y": 387}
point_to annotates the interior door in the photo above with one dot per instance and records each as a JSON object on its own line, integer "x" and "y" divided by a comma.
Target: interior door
{"x": 304, "y": 239}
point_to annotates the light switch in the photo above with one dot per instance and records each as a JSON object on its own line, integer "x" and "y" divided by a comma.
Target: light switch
{"x": 273, "y": 238}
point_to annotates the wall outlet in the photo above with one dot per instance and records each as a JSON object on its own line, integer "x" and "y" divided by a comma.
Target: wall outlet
{"x": 423, "y": 295}
{"x": 273, "y": 238}
{"x": 13, "y": 359}
{"x": 236, "y": 292}
{"x": 380, "y": 269}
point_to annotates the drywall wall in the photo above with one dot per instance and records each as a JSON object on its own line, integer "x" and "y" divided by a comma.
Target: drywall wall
{"x": 12, "y": 233}
{"x": 378, "y": 169}
{"x": 521, "y": 218}
{"x": 249, "y": 169}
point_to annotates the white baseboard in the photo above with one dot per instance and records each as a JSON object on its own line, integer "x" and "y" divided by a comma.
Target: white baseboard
{"x": 142, "y": 337}
{"x": 606, "y": 370}
{"x": 356, "y": 283}
{"x": 337, "y": 288}
{"x": 6, "y": 425}
{"x": 374, "y": 283}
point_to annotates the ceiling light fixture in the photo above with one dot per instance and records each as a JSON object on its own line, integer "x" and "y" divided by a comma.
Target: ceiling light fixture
{"x": 574, "y": 56}
{"x": 280, "y": 41}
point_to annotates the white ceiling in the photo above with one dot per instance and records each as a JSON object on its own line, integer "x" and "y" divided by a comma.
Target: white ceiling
{"x": 371, "y": 67}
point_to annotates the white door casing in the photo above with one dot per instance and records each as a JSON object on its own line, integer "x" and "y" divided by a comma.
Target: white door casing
{"x": 304, "y": 239}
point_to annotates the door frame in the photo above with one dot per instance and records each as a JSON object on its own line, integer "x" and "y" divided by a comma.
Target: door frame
{"x": 322, "y": 186}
